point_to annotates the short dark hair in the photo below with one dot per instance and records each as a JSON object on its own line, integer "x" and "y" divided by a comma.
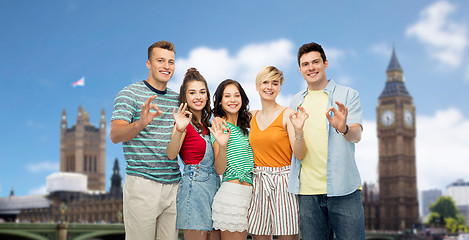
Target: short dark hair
{"x": 311, "y": 47}
{"x": 244, "y": 116}
{"x": 193, "y": 75}
{"x": 161, "y": 44}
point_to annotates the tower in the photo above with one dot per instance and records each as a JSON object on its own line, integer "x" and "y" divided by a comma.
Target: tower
{"x": 116, "y": 180}
{"x": 83, "y": 148}
{"x": 396, "y": 146}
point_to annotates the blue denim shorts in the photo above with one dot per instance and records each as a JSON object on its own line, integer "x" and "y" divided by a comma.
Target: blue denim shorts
{"x": 195, "y": 195}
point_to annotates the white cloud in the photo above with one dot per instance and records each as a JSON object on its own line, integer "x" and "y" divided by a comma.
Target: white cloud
{"x": 442, "y": 150}
{"x": 334, "y": 55}
{"x": 382, "y": 49}
{"x": 366, "y": 153}
{"x": 43, "y": 167}
{"x": 344, "y": 80}
{"x": 217, "y": 65}
{"x": 39, "y": 190}
{"x": 444, "y": 38}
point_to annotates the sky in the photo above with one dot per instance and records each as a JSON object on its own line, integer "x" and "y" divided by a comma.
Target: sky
{"x": 47, "y": 45}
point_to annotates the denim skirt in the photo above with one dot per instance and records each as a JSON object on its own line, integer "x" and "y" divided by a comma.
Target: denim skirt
{"x": 198, "y": 186}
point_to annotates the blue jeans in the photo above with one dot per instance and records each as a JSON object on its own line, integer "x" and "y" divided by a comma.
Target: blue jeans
{"x": 322, "y": 217}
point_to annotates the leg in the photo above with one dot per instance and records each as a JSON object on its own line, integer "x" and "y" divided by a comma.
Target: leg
{"x": 140, "y": 208}
{"x": 195, "y": 235}
{"x": 214, "y": 235}
{"x": 314, "y": 220}
{"x": 285, "y": 210}
{"x": 260, "y": 210}
{"x": 289, "y": 237}
{"x": 227, "y": 235}
{"x": 261, "y": 237}
{"x": 347, "y": 216}
{"x": 166, "y": 222}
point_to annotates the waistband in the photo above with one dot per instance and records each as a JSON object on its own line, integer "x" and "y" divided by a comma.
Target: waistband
{"x": 272, "y": 170}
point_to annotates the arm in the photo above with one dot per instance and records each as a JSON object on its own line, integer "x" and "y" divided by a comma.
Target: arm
{"x": 338, "y": 120}
{"x": 294, "y": 128}
{"x": 222, "y": 135}
{"x": 122, "y": 131}
{"x": 182, "y": 119}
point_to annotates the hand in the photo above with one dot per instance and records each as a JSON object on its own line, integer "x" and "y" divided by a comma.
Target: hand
{"x": 146, "y": 116}
{"x": 182, "y": 117}
{"x": 220, "y": 132}
{"x": 298, "y": 118}
{"x": 219, "y": 122}
{"x": 339, "y": 117}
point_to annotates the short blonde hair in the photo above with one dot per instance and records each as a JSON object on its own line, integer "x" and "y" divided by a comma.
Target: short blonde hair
{"x": 269, "y": 73}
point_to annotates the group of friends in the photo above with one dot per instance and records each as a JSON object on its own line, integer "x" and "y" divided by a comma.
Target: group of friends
{"x": 285, "y": 171}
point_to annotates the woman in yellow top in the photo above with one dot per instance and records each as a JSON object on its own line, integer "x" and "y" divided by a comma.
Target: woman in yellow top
{"x": 276, "y": 133}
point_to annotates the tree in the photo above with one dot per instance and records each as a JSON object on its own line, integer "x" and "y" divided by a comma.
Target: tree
{"x": 445, "y": 207}
{"x": 444, "y": 212}
{"x": 451, "y": 225}
{"x": 435, "y": 219}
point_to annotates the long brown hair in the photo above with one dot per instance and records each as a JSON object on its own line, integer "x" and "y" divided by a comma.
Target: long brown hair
{"x": 193, "y": 75}
{"x": 244, "y": 116}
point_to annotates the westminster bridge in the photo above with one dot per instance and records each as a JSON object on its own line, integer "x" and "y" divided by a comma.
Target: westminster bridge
{"x": 77, "y": 231}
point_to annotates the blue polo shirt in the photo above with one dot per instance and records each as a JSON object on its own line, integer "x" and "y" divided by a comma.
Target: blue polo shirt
{"x": 342, "y": 172}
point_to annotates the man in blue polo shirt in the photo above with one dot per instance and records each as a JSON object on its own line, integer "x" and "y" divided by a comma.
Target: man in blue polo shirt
{"x": 328, "y": 185}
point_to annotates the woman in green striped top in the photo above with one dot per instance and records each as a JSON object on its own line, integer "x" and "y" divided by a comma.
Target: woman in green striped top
{"x": 234, "y": 160}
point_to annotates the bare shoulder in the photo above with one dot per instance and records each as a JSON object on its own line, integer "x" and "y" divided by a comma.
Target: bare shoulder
{"x": 288, "y": 112}
{"x": 286, "y": 115}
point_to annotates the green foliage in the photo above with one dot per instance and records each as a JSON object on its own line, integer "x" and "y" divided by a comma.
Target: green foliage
{"x": 434, "y": 219}
{"x": 444, "y": 212}
{"x": 445, "y": 207}
{"x": 451, "y": 225}
{"x": 460, "y": 219}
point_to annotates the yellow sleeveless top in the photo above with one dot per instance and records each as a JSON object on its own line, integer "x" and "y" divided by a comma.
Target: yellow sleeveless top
{"x": 271, "y": 147}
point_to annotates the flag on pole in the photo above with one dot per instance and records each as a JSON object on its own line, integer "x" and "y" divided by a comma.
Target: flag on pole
{"x": 80, "y": 82}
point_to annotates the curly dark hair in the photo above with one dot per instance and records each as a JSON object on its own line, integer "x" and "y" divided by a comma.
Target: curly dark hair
{"x": 244, "y": 116}
{"x": 193, "y": 75}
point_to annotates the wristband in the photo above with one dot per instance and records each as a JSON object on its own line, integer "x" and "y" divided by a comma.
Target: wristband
{"x": 344, "y": 133}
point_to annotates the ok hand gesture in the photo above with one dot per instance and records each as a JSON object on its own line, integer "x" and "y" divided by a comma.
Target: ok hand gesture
{"x": 298, "y": 118}
{"x": 338, "y": 120}
{"x": 183, "y": 117}
{"x": 146, "y": 116}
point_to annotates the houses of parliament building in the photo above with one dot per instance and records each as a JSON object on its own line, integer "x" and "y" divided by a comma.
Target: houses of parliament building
{"x": 76, "y": 193}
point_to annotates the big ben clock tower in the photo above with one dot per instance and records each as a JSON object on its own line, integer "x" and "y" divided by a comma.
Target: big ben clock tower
{"x": 396, "y": 142}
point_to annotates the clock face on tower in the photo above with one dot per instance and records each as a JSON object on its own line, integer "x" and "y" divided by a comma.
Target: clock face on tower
{"x": 387, "y": 118}
{"x": 408, "y": 118}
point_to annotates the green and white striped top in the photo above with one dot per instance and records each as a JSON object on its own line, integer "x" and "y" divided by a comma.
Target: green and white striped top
{"x": 239, "y": 159}
{"x": 146, "y": 153}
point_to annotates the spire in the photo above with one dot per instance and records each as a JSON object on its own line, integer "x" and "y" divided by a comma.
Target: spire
{"x": 116, "y": 169}
{"x": 394, "y": 79}
{"x": 116, "y": 181}
{"x": 63, "y": 121}
{"x": 394, "y": 63}
{"x": 102, "y": 120}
